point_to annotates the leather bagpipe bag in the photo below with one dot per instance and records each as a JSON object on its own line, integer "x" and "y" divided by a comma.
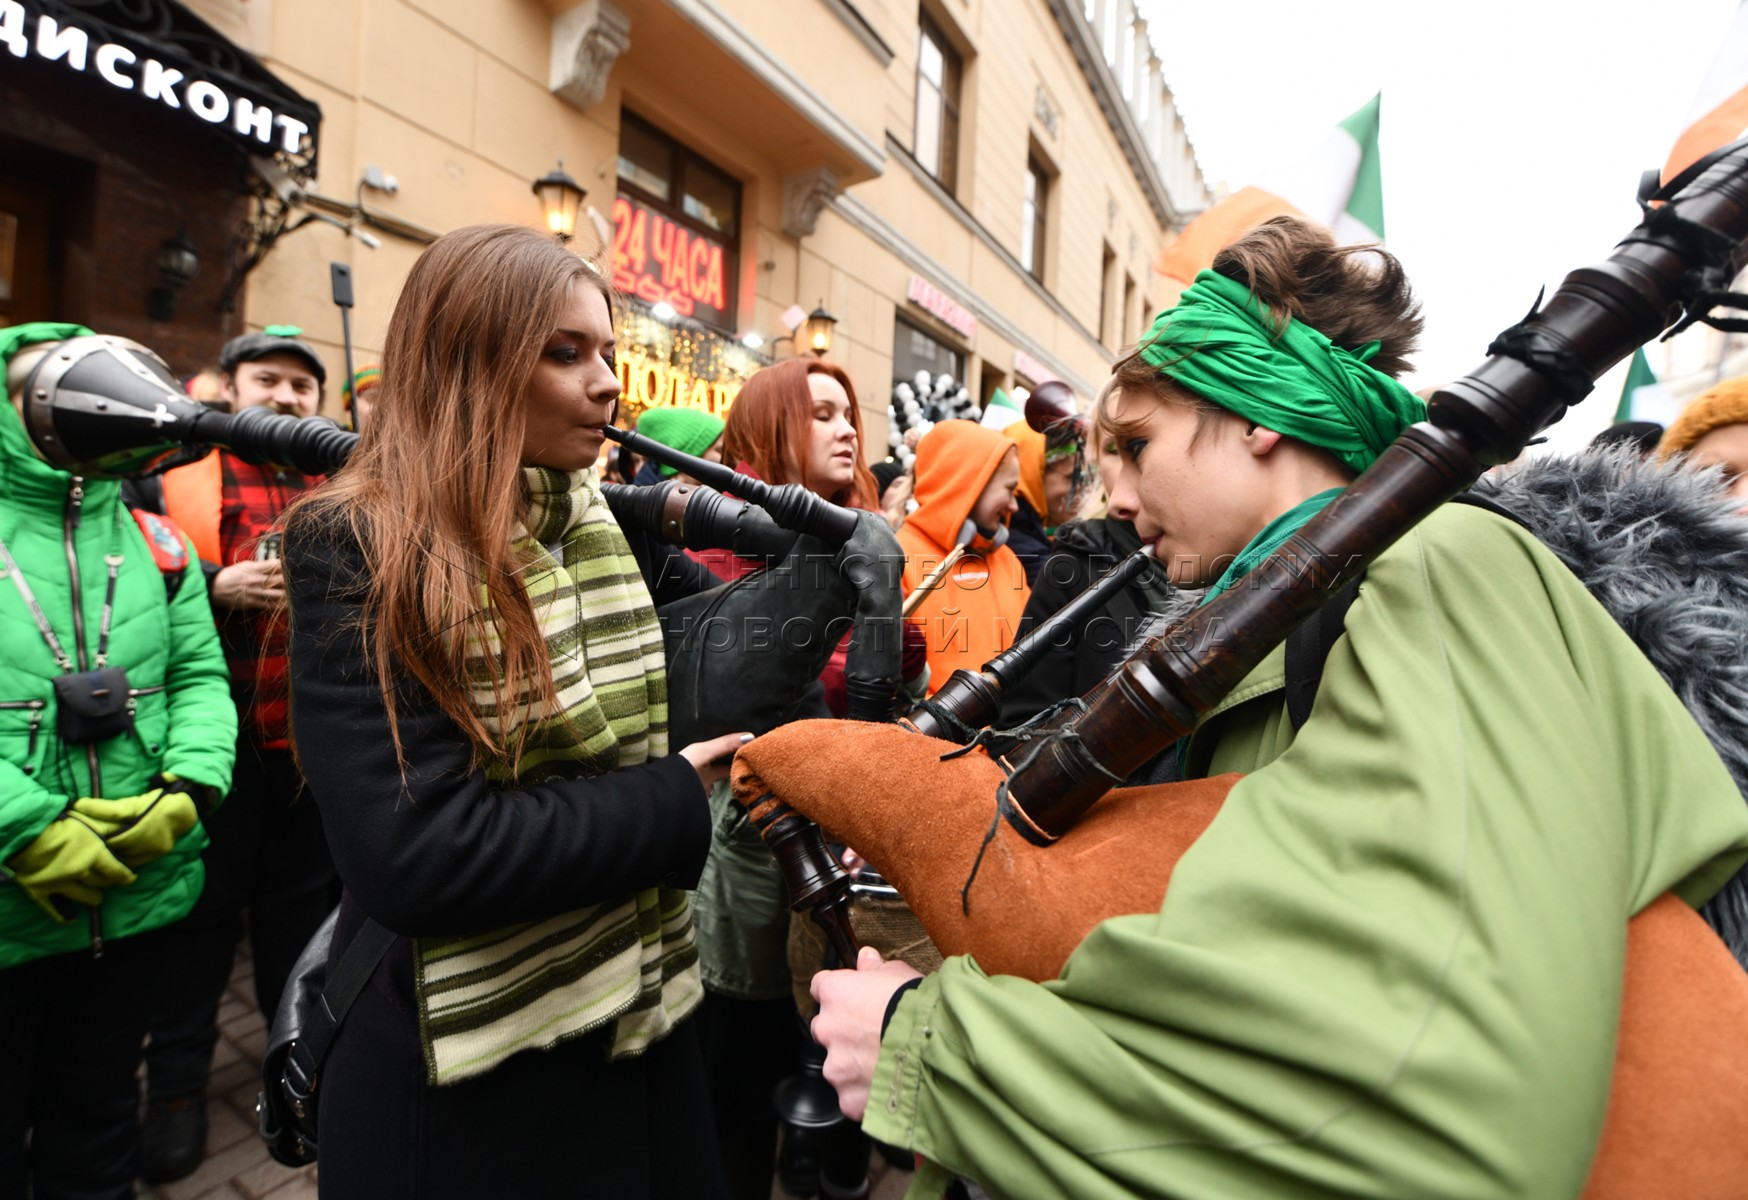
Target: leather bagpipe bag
{"x": 1679, "y": 1095}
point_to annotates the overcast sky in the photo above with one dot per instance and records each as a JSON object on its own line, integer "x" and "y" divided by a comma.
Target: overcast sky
{"x": 1514, "y": 131}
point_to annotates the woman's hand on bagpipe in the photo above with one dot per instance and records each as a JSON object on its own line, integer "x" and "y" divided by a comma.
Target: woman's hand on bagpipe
{"x": 711, "y": 759}
{"x": 852, "y": 1013}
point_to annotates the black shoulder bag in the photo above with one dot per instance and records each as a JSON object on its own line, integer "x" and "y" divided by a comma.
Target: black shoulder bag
{"x": 310, "y": 1012}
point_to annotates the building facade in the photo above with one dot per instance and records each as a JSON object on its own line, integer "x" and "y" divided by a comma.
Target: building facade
{"x": 971, "y": 187}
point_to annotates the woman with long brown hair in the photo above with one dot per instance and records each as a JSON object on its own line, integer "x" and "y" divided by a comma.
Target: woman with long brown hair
{"x": 479, "y": 706}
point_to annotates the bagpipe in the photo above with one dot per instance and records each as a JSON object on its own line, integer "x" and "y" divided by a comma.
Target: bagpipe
{"x": 743, "y": 655}
{"x": 1013, "y": 858}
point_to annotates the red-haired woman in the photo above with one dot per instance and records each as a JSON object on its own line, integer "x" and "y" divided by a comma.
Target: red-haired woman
{"x": 480, "y": 708}
{"x": 796, "y": 422}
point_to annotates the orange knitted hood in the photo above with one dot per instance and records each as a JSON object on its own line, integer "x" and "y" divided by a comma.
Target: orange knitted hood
{"x": 954, "y": 463}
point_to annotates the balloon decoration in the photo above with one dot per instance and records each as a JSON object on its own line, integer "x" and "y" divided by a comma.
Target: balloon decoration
{"x": 921, "y": 403}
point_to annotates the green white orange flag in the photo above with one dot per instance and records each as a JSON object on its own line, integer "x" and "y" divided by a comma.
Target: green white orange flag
{"x": 1003, "y": 411}
{"x": 1339, "y": 184}
{"x": 1643, "y": 398}
{"x": 1719, "y": 114}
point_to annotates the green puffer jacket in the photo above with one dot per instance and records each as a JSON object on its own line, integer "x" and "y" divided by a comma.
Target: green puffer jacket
{"x": 184, "y": 724}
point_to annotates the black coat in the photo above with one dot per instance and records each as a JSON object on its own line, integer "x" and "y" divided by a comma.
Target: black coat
{"x": 1028, "y": 541}
{"x": 1083, "y": 655}
{"x": 449, "y": 853}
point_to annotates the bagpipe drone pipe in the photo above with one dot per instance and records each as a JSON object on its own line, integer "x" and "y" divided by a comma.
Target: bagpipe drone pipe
{"x": 1014, "y": 859}
{"x": 740, "y": 656}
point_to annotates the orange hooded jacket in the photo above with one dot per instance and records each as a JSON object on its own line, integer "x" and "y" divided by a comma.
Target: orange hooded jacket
{"x": 974, "y": 613}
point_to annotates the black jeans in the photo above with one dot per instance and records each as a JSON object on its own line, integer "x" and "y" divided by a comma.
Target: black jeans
{"x": 750, "y": 1046}
{"x": 70, "y": 1031}
{"x": 268, "y": 858}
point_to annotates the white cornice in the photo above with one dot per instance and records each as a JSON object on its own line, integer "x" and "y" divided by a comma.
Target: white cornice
{"x": 746, "y": 50}
{"x": 1083, "y": 43}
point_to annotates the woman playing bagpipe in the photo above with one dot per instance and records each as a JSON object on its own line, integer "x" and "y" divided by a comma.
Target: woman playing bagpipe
{"x": 1390, "y": 960}
{"x": 480, "y": 707}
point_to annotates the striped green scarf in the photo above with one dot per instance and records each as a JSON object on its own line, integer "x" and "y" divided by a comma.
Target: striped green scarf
{"x": 632, "y": 961}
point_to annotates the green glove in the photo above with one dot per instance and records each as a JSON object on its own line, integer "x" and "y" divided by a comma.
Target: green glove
{"x": 145, "y": 827}
{"x": 67, "y": 859}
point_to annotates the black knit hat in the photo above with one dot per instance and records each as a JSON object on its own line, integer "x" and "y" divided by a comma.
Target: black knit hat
{"x": 885, "y": 473}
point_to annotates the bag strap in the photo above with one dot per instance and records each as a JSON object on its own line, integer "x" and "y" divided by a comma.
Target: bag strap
{"x": 30, "y": 602}
{"x": 1309, "y": 644}
{"x": 1308, "y": 648}
{"x": 358, "y": 962}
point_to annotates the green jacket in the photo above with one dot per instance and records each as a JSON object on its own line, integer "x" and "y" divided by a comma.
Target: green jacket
{"x": 188, "y": 728}
{"x": 1392, "y": 965}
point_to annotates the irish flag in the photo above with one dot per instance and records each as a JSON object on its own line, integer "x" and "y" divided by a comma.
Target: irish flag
{"x": 1003, "y": 411}
{"x": 1719, "y": 114}
{"x": 1643, "y": 398}
{"x": 1338, "y": 184}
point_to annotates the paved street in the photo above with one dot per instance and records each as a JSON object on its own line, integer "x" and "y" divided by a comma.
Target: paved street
{"x": 237, "y": 1164}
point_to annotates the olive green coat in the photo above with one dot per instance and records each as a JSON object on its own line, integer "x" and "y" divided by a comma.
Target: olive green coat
{"x": 1392, "y": 965}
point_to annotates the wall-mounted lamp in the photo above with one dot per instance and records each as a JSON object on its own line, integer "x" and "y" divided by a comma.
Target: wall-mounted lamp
{"x": 560, "y": 197}
{"x": 816, "y": 332}
{"x": 178, "y": 262}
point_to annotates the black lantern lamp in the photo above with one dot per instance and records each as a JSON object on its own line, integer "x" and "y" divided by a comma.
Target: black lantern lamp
{"x": 816, "y": 331}
{"x": 560, "y": 199}
{"x": 178, "y": 262}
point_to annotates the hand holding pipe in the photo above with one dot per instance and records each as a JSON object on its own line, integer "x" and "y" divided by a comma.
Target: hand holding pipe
{"x": 1683, "y": 254}
{"x": 791, "y": 505}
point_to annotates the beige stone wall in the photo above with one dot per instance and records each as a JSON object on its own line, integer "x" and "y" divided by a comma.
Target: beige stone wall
{"x": 452, "y": 97}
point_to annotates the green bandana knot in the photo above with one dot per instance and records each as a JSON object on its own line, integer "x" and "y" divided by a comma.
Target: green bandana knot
{"x": 1221, "y": 343}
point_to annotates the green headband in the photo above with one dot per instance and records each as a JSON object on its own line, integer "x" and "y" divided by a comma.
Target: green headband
{"x": 1221, "y": 343}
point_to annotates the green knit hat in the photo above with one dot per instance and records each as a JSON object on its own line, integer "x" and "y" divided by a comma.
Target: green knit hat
{"x": 689, "y": 430}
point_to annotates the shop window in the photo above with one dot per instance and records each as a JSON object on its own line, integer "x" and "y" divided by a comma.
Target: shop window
{"x": 915, "y": 349}
{"x": 938, "y": 72}
{"x": 992, "y": 381}
{"x": 1128, "y": 306}
{"x": 28, "y": 250}
{"x": 646, "y": 159}
{"x": 1034, "y": 216}
{"x": 1107, "y": 284}
{"x": 676, "y": 226}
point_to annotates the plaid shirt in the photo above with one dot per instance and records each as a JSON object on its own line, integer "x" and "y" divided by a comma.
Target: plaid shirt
{"x": 255, "y": 641}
